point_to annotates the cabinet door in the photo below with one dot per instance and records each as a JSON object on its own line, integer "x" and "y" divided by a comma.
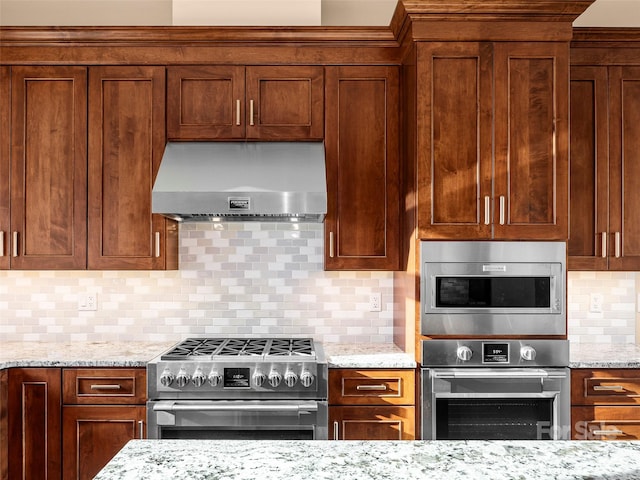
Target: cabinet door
{"x": 454, "y": 109}
{"x": 126, "y": 142}
{"x": 285, "y": 102}
{"x": 605, "y": 423}
{"x": 588, "y": 245}
{"x": 362, "y": 151}
{"x": 372, "y": 423}
{"x": 34, "y": 424}
{"x": 5, "y": 180}
{"x": 624, "y": 109}
{"x": 531, "y": 140}
{"x": 48, "y": 168}
{"x": 93, "y": 435}
{"x": 205, "y": 102}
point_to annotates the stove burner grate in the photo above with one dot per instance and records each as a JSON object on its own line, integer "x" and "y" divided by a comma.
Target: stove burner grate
{"x": 237, "y": 347}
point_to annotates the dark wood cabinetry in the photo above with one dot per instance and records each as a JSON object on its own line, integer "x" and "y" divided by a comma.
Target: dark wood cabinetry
{"x": 5, "y": 162}
{"x": 233, "y": 102}
{"x": 605, "y": 404}
{"x": 126, "y": 142}
{"x": 363, "y": 168}
{"x": 605, "y": 168}
{"x": 492, "y": 123}
{"x": 48, "y": 187}
{"x": 371, "y": 404}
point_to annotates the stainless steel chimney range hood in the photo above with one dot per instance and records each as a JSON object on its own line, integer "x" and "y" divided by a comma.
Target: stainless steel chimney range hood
{"x": 242, "y": 181}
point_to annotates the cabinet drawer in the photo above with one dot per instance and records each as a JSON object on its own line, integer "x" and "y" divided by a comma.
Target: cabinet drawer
{"x": 104, "y": 386}
{"x": 605, "y": 387}
{"x": 371, "y": 387}
{"x": 372, "y": 423}
{"x": 605, "y": 423}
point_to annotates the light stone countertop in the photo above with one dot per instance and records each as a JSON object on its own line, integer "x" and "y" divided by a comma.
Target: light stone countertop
{"x": 368, "y": 355}
{"x": 368, "y": 460}
{"x": 604, "y": 355}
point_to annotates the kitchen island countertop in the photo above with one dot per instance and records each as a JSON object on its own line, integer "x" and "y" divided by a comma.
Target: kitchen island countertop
{"x": 363, "y": 460}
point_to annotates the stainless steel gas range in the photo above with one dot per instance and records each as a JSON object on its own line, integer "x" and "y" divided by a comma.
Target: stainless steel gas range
{"x": 239, "y": 388}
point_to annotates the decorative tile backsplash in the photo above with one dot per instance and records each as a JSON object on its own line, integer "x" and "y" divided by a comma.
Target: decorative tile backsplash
{"x": 235, "y": 279}
{"x": 255, "y": 279}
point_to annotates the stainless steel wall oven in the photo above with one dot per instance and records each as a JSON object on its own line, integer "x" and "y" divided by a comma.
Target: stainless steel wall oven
{"x": 233, "y": 388}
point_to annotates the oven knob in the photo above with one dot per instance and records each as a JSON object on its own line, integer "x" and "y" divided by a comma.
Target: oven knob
{"x": 214, "y": 379}
{"x": 167, "y": 378}
{"x": 464, "y": 353}
{"x": 274, "y": 378}
{"x": 182, "y": 378}
{"x": 528, "y": 353}
{"x": 198, "y": 378}
{"x": 259, "y": 378}
{"x": 290, "y": 378}
{"x": 306, "y": 378}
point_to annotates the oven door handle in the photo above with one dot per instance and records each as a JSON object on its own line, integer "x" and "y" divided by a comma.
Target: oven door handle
{"x": 509, "y": 373}
{"x": 222, "y": 406}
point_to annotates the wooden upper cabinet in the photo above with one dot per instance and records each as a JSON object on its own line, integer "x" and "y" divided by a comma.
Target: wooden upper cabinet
{"x": 362, "y": 151}
{"x": 5, "y": 162}
{"x": 234, "y": 102}
{"x": 605, "y": 168}
{"x": 126, "y": 142}
{"x": 48, "y": 168}
{"x": 492, "y": 140}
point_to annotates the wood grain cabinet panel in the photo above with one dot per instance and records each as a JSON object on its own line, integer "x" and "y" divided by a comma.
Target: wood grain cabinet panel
{"x": 605, "y": 404}
{"x": 104, "y": 386}
{"x": 372, "y": 404}
{"x": 605, "y": 168}
{"x": 275, "y": 102}
{"x": 5, "y": 162}
{"x": 363, "y": 169}
{"x": 493, "y": 143}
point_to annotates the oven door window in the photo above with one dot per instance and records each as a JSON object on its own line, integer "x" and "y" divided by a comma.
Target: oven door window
{"x": 494, "y": 419}
{"x": 497, "y": 292}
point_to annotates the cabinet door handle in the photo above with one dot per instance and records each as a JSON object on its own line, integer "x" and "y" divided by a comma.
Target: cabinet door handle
{"x": 238, "y": 112}
{"x": 487, "y": 209}
{"x": 1, "y": 243}
{"x": 617, "y": 246}
{"x": 110, "y": 386}
{"x": 501, "y": 209}
{"x": 251, "y": 113}
{"x": 381, "y": 387}
{"x": 15, "y": 244}
{"x": 613, "y": 431}
{"x": 157, "y": 244}
{"x": 608, "y": 388}
{"x": 141, "y": 426}
{"x": 331, "y": 246}
{"x": 604, "y": 244}
{"x": 336, "y": 431}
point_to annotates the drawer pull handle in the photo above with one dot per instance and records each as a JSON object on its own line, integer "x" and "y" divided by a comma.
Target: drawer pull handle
{"x": 106, "y": 387}
{"x": 141, "y": 425}
{"x": 380, "y": 387}
{"x": 336, "y": 431}
{"x": 608, "y": 388}
{"x": 603, "y": 433}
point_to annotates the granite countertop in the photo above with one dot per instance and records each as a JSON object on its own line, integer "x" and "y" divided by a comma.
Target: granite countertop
{"x": 368, "y": 355}
{"x": 604, "y": 355}
{"x": 363, "y": 460}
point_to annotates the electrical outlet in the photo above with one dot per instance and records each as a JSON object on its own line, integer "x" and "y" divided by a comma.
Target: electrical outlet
{"x": 375, "y": 302}
{"x": 595, "y": 303}
{"x": 87, "y": 301}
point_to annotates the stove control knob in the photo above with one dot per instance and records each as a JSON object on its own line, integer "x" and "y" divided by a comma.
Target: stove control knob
{"x": 182, "y": 378}
{"x": 290, "y": 378}
{"x": 306, "y": 378}
{"x": 259, "y": 378}
{"x": 198, "y": 378}
{"x": 214, "y": 378}
{"x": 166, "y": 378}
{"x": 464, "y": 353}
{"x": 275, "y": 378}
{"x": 528, "y": 353}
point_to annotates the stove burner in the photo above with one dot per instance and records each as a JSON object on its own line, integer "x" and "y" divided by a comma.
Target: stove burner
{"x": 235, "y": 347}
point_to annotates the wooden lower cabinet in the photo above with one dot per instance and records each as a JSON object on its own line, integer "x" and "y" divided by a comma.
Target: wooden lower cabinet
{"x": 372, "y": 404}
{"x": 92, "y": 435}
{"x": 605, "y": 404}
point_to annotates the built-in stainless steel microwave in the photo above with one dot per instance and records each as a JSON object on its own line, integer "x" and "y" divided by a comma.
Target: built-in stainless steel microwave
{"x": 493, "y": 288}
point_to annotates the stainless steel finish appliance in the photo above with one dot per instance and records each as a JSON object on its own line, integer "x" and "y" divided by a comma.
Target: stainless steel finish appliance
{"x": 490, "y": 389}
{"x": 236, "y": 388}
{"x": 486, "y": 289}
{"x": 223, "y": 181}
